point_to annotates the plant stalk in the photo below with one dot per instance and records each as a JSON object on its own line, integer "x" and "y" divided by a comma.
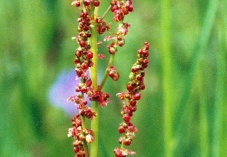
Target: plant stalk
{"x": 167, "y": 80}
{"x": 93, "y": 73}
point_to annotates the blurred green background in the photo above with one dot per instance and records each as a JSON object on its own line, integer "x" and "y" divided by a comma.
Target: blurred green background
{"x": 183, "y": 111}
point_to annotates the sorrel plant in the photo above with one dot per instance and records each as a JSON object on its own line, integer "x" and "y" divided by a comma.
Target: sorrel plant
{"x": 90, "y": 25}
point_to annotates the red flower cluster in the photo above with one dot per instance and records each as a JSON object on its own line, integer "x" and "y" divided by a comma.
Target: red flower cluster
{"x": 102, "y": 26}
{"x": 80, "y": 135}
{"x": 121, "y": 8}
{"x": 113, "y": 74}
{"x": 98, "y": 96}
{"x": 135, "y": 85}
{"x": 86, "y": 3}
{"x": 122, "y": 152}
{"x": 119, "y": 39}
{"x": 83, "y": 61}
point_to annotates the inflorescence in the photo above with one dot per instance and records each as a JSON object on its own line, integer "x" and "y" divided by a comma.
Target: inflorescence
{"x": 84, "y": 61}
{"x": 129, "y": 99}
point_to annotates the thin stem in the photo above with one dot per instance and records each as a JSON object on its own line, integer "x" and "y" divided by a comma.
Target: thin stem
{"x": 93, "y": 73}
{"x": 122, "y": 144}
{"x": 82, "y": 5}
{"x": 106, "y": 12}
{"x": 167, "y": 71}
{"x": 106, "y": 72}
{"x": 94, "y": 69}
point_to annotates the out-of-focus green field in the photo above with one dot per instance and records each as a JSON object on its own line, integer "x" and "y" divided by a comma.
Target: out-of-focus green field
{"x": 183, "y": 111}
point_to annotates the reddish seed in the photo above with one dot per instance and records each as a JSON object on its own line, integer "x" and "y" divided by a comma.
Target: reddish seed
{"x": 142, "y": 87}
{"x": 76, "y": 61}
{"x": 78, "y": 53}
{"x": 89, "y": 55}
{"x": 136, "y": 96}
{"x": 76, "y": 149}
{"x": 77, "y": 4}
{"x": 111, "y": 74}
{"x": 96, "y": 3}
{"x": 82, "y": 43}
{"x": 121, "y": 43}
{"x": 127, "y": 142}
{"x": 83, "y": 90}
{"x": 132, "y": 109}
{"x": 142, "y": 74}
{"x": 116, "y": 76}
{"x": 132, "y": 102}
{"x": 126, "y": 118}
{"x": 112, "y": 50}
{"x": 106, "y": 95}
{"x": 134, "y": 69}
{"x": 139, "y": 78}
{"x": 145, "y": 61}
{"x": 88, "y": 35}
{"x": 121, "y": 129}
{"x": 84, "y": 66}
{"x": 118, "y": 153}
{"x": 88, "y": 83}
{"x": 129, "y": 87}
{"x": 145, "y": 65}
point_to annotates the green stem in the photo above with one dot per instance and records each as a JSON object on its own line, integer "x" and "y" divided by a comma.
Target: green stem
{"x": 106, "y": 72}
{"x": 82, "y": 5}
{"x": 122, "y": 144}
{"x": 167, "y": 80}
{"x": 108, "y": 9}
{"x": 93, "y": 73}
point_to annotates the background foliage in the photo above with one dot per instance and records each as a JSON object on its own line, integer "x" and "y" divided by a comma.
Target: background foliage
{"x": 183, "y": 110}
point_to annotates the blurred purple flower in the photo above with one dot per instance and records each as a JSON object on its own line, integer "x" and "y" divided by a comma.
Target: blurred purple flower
{"x": 62, "y": 89}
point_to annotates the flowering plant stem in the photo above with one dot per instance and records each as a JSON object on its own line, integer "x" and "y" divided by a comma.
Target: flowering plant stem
{"x": 93, "y": 72}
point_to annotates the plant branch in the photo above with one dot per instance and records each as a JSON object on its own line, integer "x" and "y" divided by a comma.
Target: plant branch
{"x": 106, "y": 12}
{"x": 106, "y": 72}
